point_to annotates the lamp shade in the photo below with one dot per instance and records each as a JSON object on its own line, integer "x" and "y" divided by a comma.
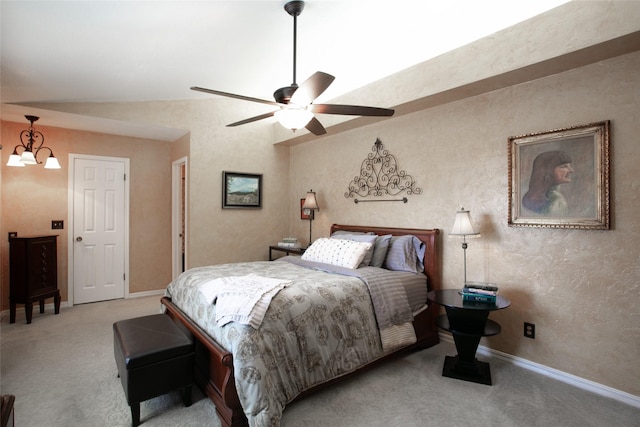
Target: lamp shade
{"x": 52, "y": 163}
{"x": 293, "y": 117}
{"x": 14, "y": 160}
{"x": 28, "y": 158}
{"x": 310, "y": 201}
{"x": 462, "y": 225}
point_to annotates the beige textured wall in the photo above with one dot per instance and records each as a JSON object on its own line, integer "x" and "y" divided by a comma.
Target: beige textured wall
{"x": 180, "y": 147}
{"x": 33, "y": 196}
{"x": 218, "y": 235}
{"x": 580, "y": 288}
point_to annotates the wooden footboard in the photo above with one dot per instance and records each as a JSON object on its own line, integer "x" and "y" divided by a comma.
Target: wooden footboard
{"x": 214, "y": 365}
{"x": 213, "y": 370}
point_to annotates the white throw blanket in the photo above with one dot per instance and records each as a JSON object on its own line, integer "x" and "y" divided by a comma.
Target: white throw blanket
{"x": 242, "y": 299}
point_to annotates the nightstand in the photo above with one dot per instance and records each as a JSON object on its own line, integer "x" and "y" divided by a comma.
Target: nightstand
{"x": 468, "y": 322}
{"x": 287, "y": 251}
{"x": 6, "y": 413}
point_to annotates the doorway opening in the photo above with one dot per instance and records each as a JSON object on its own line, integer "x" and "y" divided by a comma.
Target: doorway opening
{"x": 179, "y": 216}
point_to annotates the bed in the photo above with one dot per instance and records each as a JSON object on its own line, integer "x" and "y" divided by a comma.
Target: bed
{"x": 228, "y": 383}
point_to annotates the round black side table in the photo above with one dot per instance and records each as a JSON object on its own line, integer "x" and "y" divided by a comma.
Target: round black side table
{"x": 468, "y": 322}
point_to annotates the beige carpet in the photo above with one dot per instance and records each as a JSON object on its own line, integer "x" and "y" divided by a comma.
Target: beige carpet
{"x": 62, "y": 371}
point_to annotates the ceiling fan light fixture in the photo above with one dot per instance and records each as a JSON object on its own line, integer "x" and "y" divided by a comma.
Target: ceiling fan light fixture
{"x": 294, "y": 117}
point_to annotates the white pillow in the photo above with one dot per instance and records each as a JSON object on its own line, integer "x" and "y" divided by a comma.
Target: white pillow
{"x": 340, "y": 252}
{"x": 368, "y": 238}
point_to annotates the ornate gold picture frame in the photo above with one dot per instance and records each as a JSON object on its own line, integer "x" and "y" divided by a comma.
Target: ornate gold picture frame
{"x": 560, "y": 178}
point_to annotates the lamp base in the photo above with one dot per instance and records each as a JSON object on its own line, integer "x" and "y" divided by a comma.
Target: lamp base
{"x": 464, "y": 251}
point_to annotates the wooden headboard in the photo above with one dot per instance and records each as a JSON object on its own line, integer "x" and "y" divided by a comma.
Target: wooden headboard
{"x": 428, "y": 236}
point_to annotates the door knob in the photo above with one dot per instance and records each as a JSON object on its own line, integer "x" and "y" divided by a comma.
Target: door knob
{"x": 79, "y": 239}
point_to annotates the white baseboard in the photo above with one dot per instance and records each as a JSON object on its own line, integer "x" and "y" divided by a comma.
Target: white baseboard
{"x": 597, "y": 388}
{"x": 147, "y": 294}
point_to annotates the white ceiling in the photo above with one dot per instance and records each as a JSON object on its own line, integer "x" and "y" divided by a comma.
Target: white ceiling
{"x": 120, "y": 51}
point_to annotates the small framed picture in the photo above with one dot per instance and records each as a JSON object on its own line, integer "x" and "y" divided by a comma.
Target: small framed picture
{"x": 305, "y": 213}
{"x": 241, "y": 190}
{"x": 560, "y": 178}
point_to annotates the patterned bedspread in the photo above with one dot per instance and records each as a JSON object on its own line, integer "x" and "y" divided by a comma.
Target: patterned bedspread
{"x": 320, "y": 327}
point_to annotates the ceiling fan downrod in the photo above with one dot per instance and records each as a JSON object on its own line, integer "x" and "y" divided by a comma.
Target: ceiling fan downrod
{"x": 294, "y": 8}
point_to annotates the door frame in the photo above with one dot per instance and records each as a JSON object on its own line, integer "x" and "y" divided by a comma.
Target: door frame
{"x": 177, "y": 214}
{"x": 70, "y": 221}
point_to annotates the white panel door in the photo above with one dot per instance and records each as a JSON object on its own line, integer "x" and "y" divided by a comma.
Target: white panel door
{"x": 98, "y": 230}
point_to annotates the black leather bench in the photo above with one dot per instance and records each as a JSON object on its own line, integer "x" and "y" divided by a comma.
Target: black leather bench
{"x": 154, "y": 356}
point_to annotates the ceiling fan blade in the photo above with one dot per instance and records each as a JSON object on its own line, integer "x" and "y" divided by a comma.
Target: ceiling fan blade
{"x": 350, "y": 110}
{"x": 315, "y": 127}
{"x": 233, "y": 95}
{"x": 311, "y": 88}
{"x": 252, "y": 119}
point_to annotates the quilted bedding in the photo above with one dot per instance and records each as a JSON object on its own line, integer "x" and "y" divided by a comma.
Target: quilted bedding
{"x": 321, "y": 326}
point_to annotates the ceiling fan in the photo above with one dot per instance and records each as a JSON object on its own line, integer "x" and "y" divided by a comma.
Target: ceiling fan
{"x": 296, "y": 107}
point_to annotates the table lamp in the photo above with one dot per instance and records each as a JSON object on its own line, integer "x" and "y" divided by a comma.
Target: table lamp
{"x": 463, "y": 226}
{"x": 311, "y": 204}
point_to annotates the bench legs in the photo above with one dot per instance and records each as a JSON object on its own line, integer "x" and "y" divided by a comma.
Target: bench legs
{"x": 135, "y": 414}
{"x": 186, "y": 396}
{"x": 135, "y": 407}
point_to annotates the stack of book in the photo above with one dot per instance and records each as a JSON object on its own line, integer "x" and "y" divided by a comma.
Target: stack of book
{"x": 479, "y": 292}
{"x": 289, "y": 242}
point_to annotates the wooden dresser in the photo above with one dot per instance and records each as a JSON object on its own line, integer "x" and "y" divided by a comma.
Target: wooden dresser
{"x": 33, "y": 270}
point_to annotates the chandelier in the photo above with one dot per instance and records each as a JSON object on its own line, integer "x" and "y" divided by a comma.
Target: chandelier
{"x": 31, "y": 142}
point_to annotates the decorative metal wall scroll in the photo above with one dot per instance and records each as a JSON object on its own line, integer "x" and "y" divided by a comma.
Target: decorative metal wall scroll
{"x": 379, "y": 177}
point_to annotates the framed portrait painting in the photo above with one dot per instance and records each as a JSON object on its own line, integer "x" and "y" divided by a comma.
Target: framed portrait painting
{"x": 241, "y": 190}
{"x": 560, "y": 178}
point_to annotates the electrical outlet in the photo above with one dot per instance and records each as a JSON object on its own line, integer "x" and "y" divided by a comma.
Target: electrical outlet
{"x": 57, "y": 224}
{"x": 529, "y": 330}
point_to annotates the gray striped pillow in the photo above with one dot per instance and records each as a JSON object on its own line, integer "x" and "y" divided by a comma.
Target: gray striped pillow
{"x": 405, "y": 254}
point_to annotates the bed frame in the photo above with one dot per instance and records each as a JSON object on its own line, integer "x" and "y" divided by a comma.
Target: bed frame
{"x": 214, "y": 364}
